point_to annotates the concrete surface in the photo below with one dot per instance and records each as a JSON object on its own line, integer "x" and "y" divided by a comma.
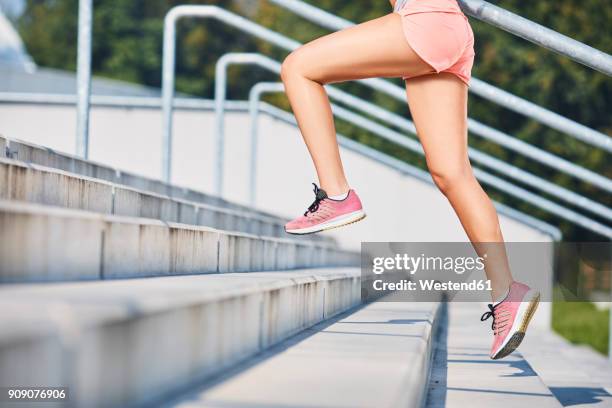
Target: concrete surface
{"x": 44, "y": 156}
{"x": 42, "y": 243}
{"x": 377, "y": 356}
{"x": 43, "y": 185}
{"x": 134, "y": 340}
{"x": 577, "y": 375}
{"x": 463, "y": 375}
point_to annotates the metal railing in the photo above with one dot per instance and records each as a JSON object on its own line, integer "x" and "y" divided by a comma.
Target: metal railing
{"x": 478, "y": 87}
{"x": 148, "y": 102}
{"x": 538, "y": 34}
{"x": 169, "y": 60}
{"x": 378, "y": 84}
{"x": 396, "y": 120}
{"x": 395, "y": 137}
{"x": 256, "y": 106}
{"x": 198, "y": 104}
{"x": 491, "y": 14}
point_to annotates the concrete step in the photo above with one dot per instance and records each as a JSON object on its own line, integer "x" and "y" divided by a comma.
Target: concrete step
{"x": 41, "y": 243}
{"x": 134, "y": 341}
{"x": 577, "y": 375}
{"x": 32, "y": 153}
{"x": 43, "y": 185}
{"x": 463, "y": 375}
{"x": 377, "y": 356}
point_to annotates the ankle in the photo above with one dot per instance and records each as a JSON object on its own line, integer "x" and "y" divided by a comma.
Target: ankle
{"x": 499, "y": 292}
{"x": 339, "y": 197}
{"x": 336, "y": 189}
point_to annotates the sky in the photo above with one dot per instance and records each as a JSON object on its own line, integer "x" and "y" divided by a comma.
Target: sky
{"x": 12, "y": 8}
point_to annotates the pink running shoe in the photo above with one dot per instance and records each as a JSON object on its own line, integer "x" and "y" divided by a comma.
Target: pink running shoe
{"x": 511, "y": 317}
{"x": 325, "y": 213}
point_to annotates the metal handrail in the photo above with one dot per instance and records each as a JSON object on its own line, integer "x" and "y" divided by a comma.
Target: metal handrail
{"x": 386, "y": 133}
{"x": 391, "y": 162}
{"x": 220, "y": 93}
{"x": 477, "y": 86}
{"x": 149, "y": 102}
{"x": 538, "y": 34}
{"x": 145, "y": 102}
{"x": 169, "y": 59}
{"x": 490, "y": 14}
{"x": 113, "y": 101}
{"x": 396, "y": 92}
{"x": 396, "y": 120}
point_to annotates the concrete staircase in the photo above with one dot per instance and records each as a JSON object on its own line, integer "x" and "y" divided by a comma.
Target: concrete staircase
{"x": 121, "y": 193}
{"x": 132, "y": 341}
{"x": 125, "y": 289}
{"x": 133, "y": 292}
{"x": 398, "y": 354}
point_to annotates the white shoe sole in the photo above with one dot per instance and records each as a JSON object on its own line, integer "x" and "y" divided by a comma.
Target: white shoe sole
{"x": 339, "y": 221}
{"x": 519, "y": 326}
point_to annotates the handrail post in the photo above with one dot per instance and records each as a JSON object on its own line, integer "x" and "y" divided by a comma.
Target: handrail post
{"x": 254, "y": 98}
{"x": 168, "y": 65}
{"x": 220, "y": 96}
{"x": 84, "y": 76}
{"x": 220, "y": 93}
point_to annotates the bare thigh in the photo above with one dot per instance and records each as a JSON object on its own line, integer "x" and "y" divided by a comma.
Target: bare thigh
{"x": 438, "y": 105}
{"x": 376, "y": 48}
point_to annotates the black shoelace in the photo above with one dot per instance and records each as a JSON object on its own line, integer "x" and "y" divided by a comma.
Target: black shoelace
{"x": 490, "y": 313}
{"x": 320, "y": 195}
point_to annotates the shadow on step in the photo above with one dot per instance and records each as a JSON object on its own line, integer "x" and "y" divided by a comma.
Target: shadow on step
{"x": 373, "y": 334}
{"x": 393, "y": 321}
{"x": 523, "y": 367}
{"x": 501, "y": 392}
{"x": 569, "y": 396}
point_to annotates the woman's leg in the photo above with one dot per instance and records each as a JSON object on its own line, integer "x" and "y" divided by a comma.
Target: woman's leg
{"x": 376, "y": 48}
{"x": 438, "y": 104}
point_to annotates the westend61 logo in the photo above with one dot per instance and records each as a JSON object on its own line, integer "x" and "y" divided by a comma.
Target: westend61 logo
{"x": 426, "y": 274}
{"x": 412, "y": 264}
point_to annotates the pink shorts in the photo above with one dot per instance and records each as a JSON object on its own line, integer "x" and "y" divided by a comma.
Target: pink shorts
{"x": 441, "y": 35}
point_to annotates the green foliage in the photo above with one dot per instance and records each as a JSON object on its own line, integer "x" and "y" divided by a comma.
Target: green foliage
{"x": 582, "y": 323}
{"x": 128, "y": 43}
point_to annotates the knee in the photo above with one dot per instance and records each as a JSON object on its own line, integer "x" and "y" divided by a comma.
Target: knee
{"x": 292, "y": 66}
{"x": 297, "y": 65}
{"x": 450, "y": 177}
